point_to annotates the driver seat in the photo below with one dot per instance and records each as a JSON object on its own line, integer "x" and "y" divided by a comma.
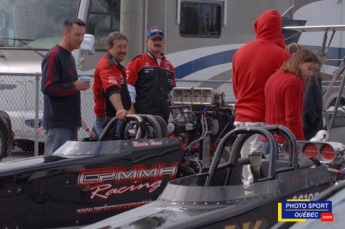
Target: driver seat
{"x": 255, "y": 159}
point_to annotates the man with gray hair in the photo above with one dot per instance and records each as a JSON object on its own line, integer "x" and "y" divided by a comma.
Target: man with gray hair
{"x": 110, "y": 90}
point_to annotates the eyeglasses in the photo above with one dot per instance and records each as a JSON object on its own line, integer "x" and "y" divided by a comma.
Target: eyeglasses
{"x": 120, "y": 47}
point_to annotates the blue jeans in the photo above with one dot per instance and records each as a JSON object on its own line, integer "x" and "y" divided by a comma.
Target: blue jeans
{"x": 56, "y": 137}
{"x": 118, "y": 126}
{"x": 266, "y": 148}
{"x": 99, "y": 122}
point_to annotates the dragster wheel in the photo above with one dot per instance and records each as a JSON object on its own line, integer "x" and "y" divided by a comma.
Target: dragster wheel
{"x": 163, "y": 126}
{"x": 155, "y": 124}
{"x": 2, "y": 145}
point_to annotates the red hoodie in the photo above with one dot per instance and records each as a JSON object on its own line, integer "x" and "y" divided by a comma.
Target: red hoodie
{"x": 254, "y": 63}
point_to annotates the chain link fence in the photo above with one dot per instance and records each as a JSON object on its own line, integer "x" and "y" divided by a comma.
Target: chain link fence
{"x": 22, "y": 100}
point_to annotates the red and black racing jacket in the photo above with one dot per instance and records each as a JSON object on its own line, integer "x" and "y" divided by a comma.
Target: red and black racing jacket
{"x": 153, "y": 84}
{"x": 109, "y": 78}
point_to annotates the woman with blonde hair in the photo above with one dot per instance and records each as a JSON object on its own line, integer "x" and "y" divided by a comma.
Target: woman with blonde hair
{"x": 312, "y": 108}
{"x": 284, "y": 92}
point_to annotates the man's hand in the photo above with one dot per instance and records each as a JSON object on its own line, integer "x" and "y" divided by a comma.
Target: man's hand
{"x": 81, "y": 85}
{"x": 121, "y": 115}
{"x": 40, "y": 130}
{"x": 91, "y": 133}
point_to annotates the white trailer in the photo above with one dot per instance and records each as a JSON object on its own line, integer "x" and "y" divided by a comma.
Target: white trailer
{"x": 201, "y": 35}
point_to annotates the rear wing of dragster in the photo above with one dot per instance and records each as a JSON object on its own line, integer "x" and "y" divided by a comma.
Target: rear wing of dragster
{"x": 326, "y": 42}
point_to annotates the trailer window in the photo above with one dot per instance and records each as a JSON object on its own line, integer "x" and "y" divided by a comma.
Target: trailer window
{"x": 199, "y": 19}
{"x": 103, "y": 18}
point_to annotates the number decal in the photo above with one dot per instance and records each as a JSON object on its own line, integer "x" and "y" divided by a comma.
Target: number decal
{"x": 306, "y": 196}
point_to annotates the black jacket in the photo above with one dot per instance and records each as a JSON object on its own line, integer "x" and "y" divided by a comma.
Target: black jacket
{"x": 312, "y": 110}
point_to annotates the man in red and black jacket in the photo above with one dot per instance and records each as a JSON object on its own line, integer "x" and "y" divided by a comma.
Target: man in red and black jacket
{"x": 110, "y": 90}
{"x": 151, "y": 77}
{"x": 61, "y": 88}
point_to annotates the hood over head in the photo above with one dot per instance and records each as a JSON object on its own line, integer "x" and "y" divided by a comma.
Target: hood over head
{"x": 268, "y": 26}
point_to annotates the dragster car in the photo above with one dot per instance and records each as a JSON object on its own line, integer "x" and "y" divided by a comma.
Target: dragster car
{"x": 87, "y": 181}
{"x": 218, "y": 199}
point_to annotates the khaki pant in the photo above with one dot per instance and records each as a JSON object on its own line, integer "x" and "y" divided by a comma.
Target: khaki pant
{"x": 252, "y": 144}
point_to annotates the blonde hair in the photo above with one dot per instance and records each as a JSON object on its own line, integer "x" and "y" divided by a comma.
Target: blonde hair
{"x": 300, "y": 57}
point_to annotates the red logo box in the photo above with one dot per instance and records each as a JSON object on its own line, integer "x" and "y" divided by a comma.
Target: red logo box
{"x": 326, "y": 217}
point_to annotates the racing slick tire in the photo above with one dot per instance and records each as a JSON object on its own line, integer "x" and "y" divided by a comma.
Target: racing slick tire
{"x": 2, "y": 145}
{"x": 6, "y": 137}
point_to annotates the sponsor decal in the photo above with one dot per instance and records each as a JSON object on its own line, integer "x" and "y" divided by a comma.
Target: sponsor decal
{"x": 148, "y": 70}
{"x": 104, "y": 183}
{"x": 122, "y": 79}
{"x": 299, "y": 210}
{"x": 112, "y": 80}
{"x": 107, "y": 208}
{"x": 306, "y": 196}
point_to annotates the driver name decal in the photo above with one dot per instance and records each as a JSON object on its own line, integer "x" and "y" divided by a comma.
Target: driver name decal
{"x": 151, "y": 142}
{"x": 106, "y": 182}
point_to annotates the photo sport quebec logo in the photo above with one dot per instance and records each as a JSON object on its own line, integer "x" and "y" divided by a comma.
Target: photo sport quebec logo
{"x": 293, "y": 210}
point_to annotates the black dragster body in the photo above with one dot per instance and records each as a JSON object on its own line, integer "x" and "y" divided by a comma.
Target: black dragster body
{"x": 84, "y": 182}
{"x": 218, "y": 199}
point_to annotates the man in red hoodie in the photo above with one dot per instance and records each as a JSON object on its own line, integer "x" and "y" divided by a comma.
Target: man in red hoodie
{"x": 252, "y": 65}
